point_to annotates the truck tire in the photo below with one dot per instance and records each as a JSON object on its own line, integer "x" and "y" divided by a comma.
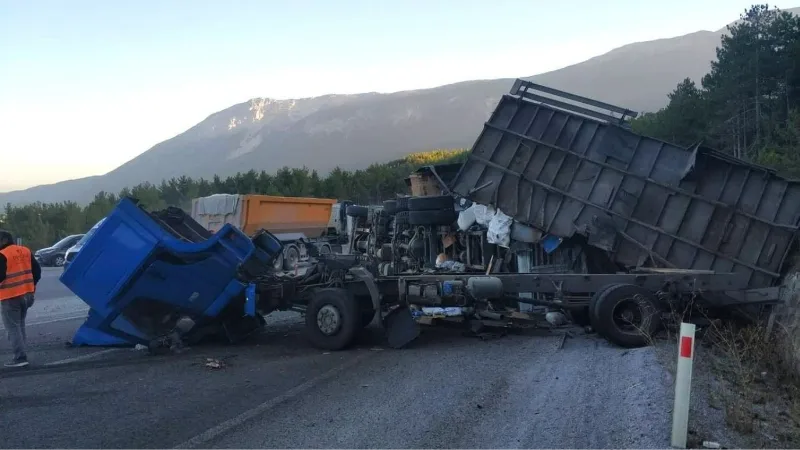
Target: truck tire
{"x": 332, "y": 319}
{"x": 357, "y": 211}
{"x": 594, "y": 319}
{"x": 291, "y": 256}
{"x": 366, "y": 311}
{"x": 437, "y": 217}
{"x": 627, "y": 315}
{"x": 431, "y": 203}
{"x": 390, "y": 207}
{"x": 277, "y": 264}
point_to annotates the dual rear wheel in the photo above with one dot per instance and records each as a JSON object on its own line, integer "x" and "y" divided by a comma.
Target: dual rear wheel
{"x": 625, "y": 314}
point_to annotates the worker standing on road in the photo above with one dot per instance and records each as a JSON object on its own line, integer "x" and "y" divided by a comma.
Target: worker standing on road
{"x": 19, "y": 274}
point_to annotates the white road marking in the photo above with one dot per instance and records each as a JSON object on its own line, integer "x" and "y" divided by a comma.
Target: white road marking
{"x": 201, "y": 440}
{"x": 82, "y": 357}
{"x": 44, "y": 322}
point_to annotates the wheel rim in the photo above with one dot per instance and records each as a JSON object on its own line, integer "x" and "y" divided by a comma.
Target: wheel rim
{"x": 291, "y": 258}
{"x": 329, "y": 320}
{"x": 59, "y": 261}
{"x": 629, "y": 316}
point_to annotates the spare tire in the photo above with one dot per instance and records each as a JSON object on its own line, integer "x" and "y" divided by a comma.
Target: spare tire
{"x": 357, "y": 211}
{"x": 437, "y": 217}
{"x": 431, "y": 203}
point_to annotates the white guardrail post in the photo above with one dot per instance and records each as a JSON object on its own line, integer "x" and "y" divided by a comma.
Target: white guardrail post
{"x": 683, "y": 385}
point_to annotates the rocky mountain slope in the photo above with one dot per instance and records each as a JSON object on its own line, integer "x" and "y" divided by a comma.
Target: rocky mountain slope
{"x": 352, "y": 131}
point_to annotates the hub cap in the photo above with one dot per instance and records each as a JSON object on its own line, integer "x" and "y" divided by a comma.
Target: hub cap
{"x": 328, "y": 320}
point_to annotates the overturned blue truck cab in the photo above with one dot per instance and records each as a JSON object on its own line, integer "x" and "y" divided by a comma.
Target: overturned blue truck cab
{"x": 160, "y": 279}
{"x": 141, "y": 274}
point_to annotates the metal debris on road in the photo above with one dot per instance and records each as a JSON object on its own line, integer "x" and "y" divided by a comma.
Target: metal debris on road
{"x": 212, "y": 363}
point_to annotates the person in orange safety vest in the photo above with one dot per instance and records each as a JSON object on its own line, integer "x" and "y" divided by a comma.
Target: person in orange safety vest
{"x": 19, "y": 274}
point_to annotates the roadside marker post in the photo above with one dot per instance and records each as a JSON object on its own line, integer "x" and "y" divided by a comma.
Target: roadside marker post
{"x": 683, "y": 385}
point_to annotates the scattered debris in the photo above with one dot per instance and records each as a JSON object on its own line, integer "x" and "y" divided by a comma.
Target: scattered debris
{"x": 711, "y": 444}
{"x": 564, "y": 337}
{"x": 556, "y": 318}
{"x": 212, "y": 363}
{"x": 140, "y": 347}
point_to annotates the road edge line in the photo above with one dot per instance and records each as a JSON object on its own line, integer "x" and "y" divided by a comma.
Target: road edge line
{"x": 81, "y": 358}
{"x": 224, "y": 427}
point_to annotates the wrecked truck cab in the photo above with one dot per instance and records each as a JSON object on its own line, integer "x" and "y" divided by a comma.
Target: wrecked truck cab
{"x": 141, "y": 273}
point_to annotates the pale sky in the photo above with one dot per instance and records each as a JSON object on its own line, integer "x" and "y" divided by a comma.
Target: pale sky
{"x": 88, "y": 85}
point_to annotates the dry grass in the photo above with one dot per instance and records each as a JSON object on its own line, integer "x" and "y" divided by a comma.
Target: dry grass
{"x": 762, "y": 390}
{"x": 758, "y": 381}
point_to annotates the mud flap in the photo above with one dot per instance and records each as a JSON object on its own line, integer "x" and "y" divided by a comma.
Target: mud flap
{"x": 401, "y": 328}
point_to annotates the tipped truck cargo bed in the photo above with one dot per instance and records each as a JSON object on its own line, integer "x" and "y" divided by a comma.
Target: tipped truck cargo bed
{"x": 566, "y": 169}
{"x": 252, "y": 212}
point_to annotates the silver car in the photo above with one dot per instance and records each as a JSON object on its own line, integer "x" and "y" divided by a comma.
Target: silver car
{"x": 73, "y": 251}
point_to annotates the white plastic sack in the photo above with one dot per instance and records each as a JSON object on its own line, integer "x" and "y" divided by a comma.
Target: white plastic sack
{"x": 499, "y": 229}
{"x": 483, "y": 214}
{"x": 466, "y": 218}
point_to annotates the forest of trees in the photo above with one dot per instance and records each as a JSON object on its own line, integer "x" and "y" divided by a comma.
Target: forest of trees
{"x": 42, "y": 224}
{"x": 747, "y": 106}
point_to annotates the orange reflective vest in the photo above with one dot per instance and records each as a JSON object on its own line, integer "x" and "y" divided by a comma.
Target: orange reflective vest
{"x": 19, "y": 273}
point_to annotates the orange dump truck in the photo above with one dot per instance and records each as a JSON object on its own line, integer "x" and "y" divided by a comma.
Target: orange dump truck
{"x": 296, "y": 221}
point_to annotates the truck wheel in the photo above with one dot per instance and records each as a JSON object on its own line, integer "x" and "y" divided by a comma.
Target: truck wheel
{"x": 627, "y": 315}
{"x": 332, "y": 318}
{"x": 277, "y": 264}
{"x": 594, "y": 319}
{"x": 357, "y": 211}
{"x": 291, "y": 256}
{"x": 431, "y": 203}
{"x": 439, "y": 217}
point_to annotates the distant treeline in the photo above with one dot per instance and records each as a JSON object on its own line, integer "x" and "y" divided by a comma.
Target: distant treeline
{"x": 42, "y": 224}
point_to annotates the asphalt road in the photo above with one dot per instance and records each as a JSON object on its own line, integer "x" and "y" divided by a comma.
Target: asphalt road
{"x": 276, "y": 391}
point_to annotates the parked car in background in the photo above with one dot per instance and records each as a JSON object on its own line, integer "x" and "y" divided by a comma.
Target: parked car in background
{"x": 56, "y": 254}
{"x": 73, "y": 250}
